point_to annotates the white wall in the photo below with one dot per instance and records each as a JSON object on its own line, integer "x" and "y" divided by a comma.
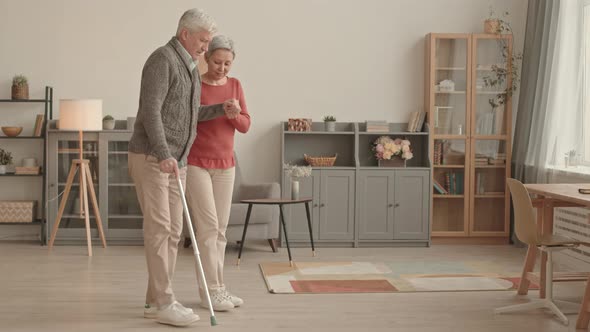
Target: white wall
{"x": 354, "y": 59}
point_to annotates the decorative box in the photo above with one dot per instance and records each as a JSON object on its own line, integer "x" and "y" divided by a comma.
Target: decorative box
{"x": 17, "y": 211}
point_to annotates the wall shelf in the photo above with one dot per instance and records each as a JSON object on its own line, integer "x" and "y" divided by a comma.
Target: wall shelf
{"x": 47, "y": 113}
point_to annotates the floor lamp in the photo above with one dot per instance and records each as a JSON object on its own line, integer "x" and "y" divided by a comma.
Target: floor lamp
{"x": 80, "y": 115}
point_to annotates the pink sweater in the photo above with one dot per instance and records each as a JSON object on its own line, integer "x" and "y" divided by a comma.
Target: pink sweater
{"x": 214, "y": 145}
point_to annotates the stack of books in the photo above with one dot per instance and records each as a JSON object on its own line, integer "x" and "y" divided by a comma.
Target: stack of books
{"x": 377, "y": 126}
{"x": 481, "y": 160}
{"x": 438, "y": 153}
{"x": 499, "y": 159}
{"x": 21, "y": 170}
{"x": 416, "y": 121}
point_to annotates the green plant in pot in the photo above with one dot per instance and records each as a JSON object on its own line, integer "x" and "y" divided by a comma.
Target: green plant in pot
{"x": 330, "y": 123}
{"x": 5, "y": 161}
{"x": 108, "y": 123}
{"x": 20, "y": 87}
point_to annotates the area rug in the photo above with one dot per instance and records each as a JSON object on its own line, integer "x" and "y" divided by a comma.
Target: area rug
{"x": 407, "y": 276}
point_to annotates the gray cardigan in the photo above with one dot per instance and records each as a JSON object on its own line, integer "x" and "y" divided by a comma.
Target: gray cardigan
{"x": 169, "y": 105}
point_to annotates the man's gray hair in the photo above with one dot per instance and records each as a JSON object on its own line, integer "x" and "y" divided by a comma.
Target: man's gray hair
{"x": 196, "y": 20}
{"x": 220, "y": 42}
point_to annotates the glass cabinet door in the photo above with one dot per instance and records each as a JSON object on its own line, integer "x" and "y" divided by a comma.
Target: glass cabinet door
{"x": 449, "y": 105}
{"x": 124, "y": 213}
{"x": 492, "y": 84}
{"x": 449, "y": 185}
{"x": 450, "y": 79}
{"x": 491, "y": 134}
{"x": 67, "y": 151}
{"x": 490, "y": 196}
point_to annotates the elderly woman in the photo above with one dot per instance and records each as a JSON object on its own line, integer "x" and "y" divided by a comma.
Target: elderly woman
{"x": 211, "y": 169}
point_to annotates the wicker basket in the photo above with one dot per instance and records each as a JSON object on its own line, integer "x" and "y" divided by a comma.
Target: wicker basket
{"x": 20, "y": 92}
{"x": 320, "y": 161}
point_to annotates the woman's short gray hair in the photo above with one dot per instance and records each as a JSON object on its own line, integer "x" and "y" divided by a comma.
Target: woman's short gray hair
{"x": 196, "y": 20}
{"x": 220, "y": 42}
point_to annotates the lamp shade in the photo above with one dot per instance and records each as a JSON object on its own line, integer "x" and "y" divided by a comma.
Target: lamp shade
{"x": 80, "y": 114}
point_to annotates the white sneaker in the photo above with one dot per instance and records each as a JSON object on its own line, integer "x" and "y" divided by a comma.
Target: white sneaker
{"x": 236, "y": 301}
{"x": 176, "y": 315}
{"x": 219, "y": 300}
{"x": 151, "y": 311}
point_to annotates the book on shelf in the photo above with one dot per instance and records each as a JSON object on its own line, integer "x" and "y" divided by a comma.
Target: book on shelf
{"x": 416, "y": 121}
{"x": 21, "y": 170}
{"x": 420, "y": 122}
{"x": 439, "y": 188}
{"x": 39, "y": 121}
{"x": 377, "y": 126}
{"x": 492, "y": 161}
{"x": 412, "y": 120}
{"x": 454, "y": 183}
{"x": 438, "y": 153}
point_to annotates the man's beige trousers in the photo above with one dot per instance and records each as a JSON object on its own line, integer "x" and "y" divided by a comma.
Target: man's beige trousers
{"x": 159, "y": 199}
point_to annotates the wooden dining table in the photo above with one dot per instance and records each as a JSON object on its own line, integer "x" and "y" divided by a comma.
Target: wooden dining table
{"x": 548, "y": 197}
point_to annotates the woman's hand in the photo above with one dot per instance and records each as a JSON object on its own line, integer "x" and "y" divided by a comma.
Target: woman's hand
{"x": 232, "y": 108}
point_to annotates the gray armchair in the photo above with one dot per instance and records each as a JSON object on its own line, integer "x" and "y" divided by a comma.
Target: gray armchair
{"x": 264, "y": 219}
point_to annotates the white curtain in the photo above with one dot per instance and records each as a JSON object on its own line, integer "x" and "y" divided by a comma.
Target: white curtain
{"x": 561, "y": 129}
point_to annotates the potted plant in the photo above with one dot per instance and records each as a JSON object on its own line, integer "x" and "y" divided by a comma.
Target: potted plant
{"x": 20, "y": 87}
{"x": 108, "y": 123}
{"x": 392, "y": 152}
{"x": 330, "y": 123}
{"x": 5, "y": 161}
{"x": 296, "y": 172}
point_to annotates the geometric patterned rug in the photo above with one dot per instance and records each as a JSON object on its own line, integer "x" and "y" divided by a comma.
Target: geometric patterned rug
{"x": 405, "y": 276}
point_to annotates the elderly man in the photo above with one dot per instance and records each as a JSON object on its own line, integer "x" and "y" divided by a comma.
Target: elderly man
{"x": 169, "y": 108}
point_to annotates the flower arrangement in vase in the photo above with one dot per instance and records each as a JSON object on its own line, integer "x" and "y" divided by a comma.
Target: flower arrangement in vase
{"x": 296, "y": 172}
{"x": 391, "y": 152}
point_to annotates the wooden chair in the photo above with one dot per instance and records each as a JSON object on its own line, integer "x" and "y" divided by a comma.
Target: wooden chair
{"x": 526, "y": 231}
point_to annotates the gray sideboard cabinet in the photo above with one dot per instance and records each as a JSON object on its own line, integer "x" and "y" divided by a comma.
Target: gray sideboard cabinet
{"x": 332, "y": 207}
{"x": 117, "y": 200}
{"x": 356, "y": 202}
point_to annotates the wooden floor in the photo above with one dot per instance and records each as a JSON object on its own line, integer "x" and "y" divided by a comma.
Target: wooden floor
{"x": 68, "y": 291}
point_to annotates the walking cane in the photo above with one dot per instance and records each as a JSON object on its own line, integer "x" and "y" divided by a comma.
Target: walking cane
{"x": 200, "y": 271}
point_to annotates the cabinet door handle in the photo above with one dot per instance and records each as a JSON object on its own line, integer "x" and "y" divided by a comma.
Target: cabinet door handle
{"x": 315, "y": 205}
{"x": 390, "y": 205}
{"x": 396, "y": 204}
{"x": 322, "y": 205}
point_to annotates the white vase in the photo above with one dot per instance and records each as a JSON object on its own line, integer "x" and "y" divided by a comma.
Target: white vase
{"x": 330, "y": 125}
{"x": 294, "y": 189}
{"x": 2, "y": 169}
{"x": 108, "y": 124}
